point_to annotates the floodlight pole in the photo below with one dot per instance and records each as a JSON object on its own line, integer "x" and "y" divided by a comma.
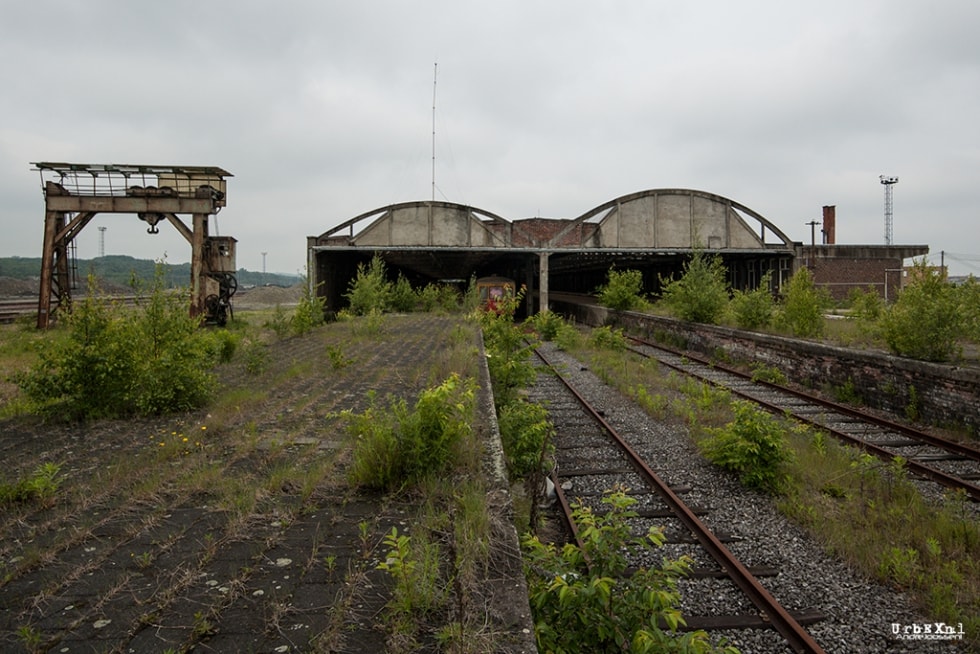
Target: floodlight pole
{"x": 888, "y": 183}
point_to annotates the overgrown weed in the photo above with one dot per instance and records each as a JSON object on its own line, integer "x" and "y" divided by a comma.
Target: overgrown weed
{"x": 40, "y": 486}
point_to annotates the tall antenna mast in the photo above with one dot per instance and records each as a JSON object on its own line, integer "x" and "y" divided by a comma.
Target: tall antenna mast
{"x": 435, "y": 73}
{"x": 888, "y": 182}
{"x": 102, "y": 229}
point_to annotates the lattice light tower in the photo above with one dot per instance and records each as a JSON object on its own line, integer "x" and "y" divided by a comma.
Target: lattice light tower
{"x": 888, "y": 182}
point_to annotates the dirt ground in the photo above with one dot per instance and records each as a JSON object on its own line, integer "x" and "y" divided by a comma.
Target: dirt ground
{"x": 233, "y": 529}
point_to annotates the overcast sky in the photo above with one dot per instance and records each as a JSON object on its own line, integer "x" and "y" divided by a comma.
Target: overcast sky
{"x": 323, "y": 110}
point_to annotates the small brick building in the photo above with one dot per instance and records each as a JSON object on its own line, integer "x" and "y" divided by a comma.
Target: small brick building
{"x": 842, "y": 268}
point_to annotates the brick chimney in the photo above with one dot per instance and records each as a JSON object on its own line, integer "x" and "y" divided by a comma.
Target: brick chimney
{"x": 829, "y": 225}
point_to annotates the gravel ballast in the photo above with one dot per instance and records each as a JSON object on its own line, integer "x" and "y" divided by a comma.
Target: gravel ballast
{"x": 861, "y": 614}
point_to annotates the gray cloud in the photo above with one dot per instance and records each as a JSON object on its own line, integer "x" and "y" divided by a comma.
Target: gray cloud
{"x": 323, "y": 110}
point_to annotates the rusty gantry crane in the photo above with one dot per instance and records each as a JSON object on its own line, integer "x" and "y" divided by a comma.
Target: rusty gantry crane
{"x": 75, "y": 193}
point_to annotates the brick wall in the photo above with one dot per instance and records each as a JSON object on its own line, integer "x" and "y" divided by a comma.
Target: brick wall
{"x": 542, "y": 230}
{"x": 842, "y": 275}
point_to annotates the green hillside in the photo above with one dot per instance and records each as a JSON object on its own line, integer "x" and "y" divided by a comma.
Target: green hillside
{"x": 119, "y": 270}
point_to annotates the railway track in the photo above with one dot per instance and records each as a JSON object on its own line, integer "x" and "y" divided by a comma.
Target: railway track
{"x": 592, "y": 456}
{"x": 951, "y": 464}
{"x": 11, "y": 310}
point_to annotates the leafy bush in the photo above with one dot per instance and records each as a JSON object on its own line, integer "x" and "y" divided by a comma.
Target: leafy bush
{"x": 115, "y": 362}
{"x": 608, "y": 338}
{"x": 622, "y": 291}
{"x": 403, "y": 297}
{"x": 568, "y": 337}
{"x": 927, "y": 320}
{"x": 370, "y": 288}
{"x": 371, "y": 291}
{"x": 598, "y": 607}
{"x": 428, "y": 297}
{"x": 754, "y": 309}
{"x": 803, "y": 306}
{"x": 525, "y": 432}
{"x": 752, "y": 446}
{"x": 546, "y": 323}
{"x": 700, "y": 294}
{"x": 968, "y": 298}
{"x": 309, "y": 312}
{"x": 867, "y": 309}
{"x": 401, "y": 446}
{"x": 771, "y": 374}
{"x": 507, "y": 350}
{"x": 439, "y": 296}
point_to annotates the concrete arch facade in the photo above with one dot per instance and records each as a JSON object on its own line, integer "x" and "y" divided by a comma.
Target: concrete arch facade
{"x": 675, "y": 219}
{"x": 422, "y": 224}
{"x": 655, "y": 229}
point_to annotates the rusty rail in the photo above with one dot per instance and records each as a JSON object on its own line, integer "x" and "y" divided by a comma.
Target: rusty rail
{"x": 772, "y": 611}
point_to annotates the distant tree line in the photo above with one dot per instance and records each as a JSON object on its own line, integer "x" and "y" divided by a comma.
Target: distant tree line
{"x": 120, "y": 270}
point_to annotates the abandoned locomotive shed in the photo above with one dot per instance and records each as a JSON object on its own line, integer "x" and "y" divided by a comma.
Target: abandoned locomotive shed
{"x": 654, "y": 231}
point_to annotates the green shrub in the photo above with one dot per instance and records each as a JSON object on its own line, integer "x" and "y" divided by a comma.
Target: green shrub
{"x": 403, "y": 297}
{"x": 623, "y": 290}
{"x": 771, "y": 374}
{"x": 546, "y": 323}
{"x": 608, "y": 338}
{"x": 525, "y": 433}
{"x": 309, "y": 312}
{"x": 968, "y": 298}
{"x": 507, "y": 351}
{"x": 803, "y": 306}
{"x": 927, "y": 320}
{"x": 370, "y": 288}
{"x": 847, "y": 393}
{"x": 867, "y": 309}
{"x": 754, "y": 309}
{"x": 568, "y": 337}
{"x": 401, "y": 446}
{"x": 598, "y": 607}
{"x": 700, "y": 294}
{"x": 442, "y": 297}
{"x": 115, "y": 362}
{"x": 752, "y": 446}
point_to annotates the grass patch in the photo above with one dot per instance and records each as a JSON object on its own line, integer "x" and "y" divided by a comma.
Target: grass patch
{"x": 870, "y": 514}
{"x": 40, "y": 486}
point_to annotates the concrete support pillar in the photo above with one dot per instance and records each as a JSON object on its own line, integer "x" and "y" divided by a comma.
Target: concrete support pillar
{"x": 543, "y": 281}
{"x": 53, "y": 222}
{"x": 199, "y": 237}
